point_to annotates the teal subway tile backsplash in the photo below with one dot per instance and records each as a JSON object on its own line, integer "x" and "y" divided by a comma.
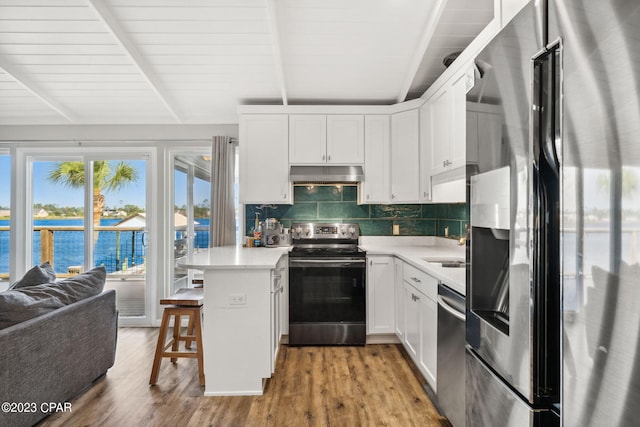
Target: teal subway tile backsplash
{"x": 330, "y": 203}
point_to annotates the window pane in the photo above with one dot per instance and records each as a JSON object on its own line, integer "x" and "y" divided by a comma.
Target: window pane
{"x": 201, "y": 212}
{"x": 58, "y": 200}
{"x": 180, "y": 241}
{"x": 5, "y": 214}
{"x": 120, "y": 236}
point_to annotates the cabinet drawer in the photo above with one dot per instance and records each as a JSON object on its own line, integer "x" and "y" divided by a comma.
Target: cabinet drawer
{"x": 421, "y": 281}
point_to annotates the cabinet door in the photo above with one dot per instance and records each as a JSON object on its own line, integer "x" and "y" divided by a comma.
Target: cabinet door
{"x": 425, "y": 155}
{"x": 428, "y": 353}
{"x": 380, "y": 295}
{"x": 307, "y": 139}
{"x": 345, "y": 139}
{"x": 264, "y": 165}
{"x": 375, "y": 187}
{"x": 457, "y": 152}
{"x": 405, "y": 157}
{"x": 411, "y": 321}
{"x": 440, "y": 121}
{"x": 399, "y": 299}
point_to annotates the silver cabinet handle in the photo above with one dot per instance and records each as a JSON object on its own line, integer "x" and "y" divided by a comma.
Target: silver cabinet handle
{"x": 284, "y": 196}
{"x": 329, "y": 157}
{"x": 368, "y": 196}
{"x": 415, "y": 279}
{"x": 323, "y": 157}
{"x": 393, "y": 196}
{"x": 444, "y": 163}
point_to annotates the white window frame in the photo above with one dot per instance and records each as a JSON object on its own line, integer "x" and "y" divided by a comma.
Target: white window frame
{"x": 22, "y": 206}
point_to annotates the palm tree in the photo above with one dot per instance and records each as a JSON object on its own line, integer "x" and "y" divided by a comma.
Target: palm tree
{"x": 105, "y": 178}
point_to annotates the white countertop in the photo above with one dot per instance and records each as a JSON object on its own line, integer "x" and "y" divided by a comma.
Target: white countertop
{"x": 234, "y": 257}
{"x": 412, "y": 250}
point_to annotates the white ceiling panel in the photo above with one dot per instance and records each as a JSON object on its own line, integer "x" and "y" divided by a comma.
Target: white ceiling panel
{"x": 195, "y": 61}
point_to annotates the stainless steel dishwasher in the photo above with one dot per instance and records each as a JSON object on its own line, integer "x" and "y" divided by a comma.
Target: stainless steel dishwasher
{"x": 451, "y": 363}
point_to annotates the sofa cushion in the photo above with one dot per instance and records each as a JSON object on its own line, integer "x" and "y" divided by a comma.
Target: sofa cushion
{"x": 18, "y": 305}
{"x": 38, "y": 275}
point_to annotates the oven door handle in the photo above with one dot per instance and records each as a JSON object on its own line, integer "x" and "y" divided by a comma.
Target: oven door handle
{"x": 325, "y": 262}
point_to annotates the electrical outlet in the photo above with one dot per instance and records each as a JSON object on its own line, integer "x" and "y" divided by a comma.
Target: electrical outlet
{"x": 238, "y": 299}
{"x": 396, "y": 229}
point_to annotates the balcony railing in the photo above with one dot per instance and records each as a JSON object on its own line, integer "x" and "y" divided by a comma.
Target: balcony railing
{"x": 122, "y": 250}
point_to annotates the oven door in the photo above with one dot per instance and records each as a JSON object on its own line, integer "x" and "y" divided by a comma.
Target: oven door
{"x": 327, "y": 301}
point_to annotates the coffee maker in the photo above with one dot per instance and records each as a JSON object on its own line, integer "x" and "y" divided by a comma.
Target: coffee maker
{"x": 271, "y": 231}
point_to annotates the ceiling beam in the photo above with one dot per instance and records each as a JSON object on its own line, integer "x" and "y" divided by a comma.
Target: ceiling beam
{"x": 36, "y": 90}
{"x": 421, "y": 49}
{"x": 103, "y": 12}
{"x": 275, "y": 41}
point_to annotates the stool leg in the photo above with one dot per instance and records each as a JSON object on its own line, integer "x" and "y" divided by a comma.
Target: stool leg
{"x": 190, "y": 327}
{"x": 200, "y": 350}
{"x": 162, "y": 335}
{"x": 176, "y": 335}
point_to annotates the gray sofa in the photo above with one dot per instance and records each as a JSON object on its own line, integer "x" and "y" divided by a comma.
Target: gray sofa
{"x": 52, "y": 358}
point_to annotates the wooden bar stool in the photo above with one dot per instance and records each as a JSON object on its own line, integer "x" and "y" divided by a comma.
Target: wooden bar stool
{"x": 185, "y": 302}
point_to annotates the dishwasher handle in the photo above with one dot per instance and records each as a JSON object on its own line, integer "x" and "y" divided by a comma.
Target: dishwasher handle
{"x": 451, "y": 310}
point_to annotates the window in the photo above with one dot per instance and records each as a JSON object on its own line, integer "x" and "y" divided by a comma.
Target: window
{"x": 5, "y": 215}
{"x": 192, "y": 211}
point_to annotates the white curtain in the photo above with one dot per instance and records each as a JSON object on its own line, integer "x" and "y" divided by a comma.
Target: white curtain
{"x": 223, "y": 222}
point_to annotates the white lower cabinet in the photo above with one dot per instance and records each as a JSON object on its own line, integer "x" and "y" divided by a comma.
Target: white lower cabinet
{"x": 399, "y": 301}
{"x": 428, "y": 318}
{"x": 380, "y": 294}
{"x": 278, "y": 296}
{"x": 420, "y": 337}
{"x": 411, "y": 321}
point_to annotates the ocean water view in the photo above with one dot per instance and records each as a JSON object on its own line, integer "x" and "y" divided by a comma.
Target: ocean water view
{"x": 116, "y": 250}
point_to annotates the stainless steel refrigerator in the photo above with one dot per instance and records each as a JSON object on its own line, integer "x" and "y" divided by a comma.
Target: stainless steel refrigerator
{"x": 553, "y": 298}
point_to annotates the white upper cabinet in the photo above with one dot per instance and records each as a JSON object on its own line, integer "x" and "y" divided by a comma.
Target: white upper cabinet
{"x": 447, "y": 133}
{"x": 264, "y": 165}
{"x": 375, "y": 187}
{"x": 439, "y": 133}
{"x": 457, "y": 150}
{"x": 425, "y": 155}
{"x": 405, "y": 157}
{"x": 345, "y": 139}
{"x": 321, "y": 139}
{"x": 445, "y": 140}
{"x": 307, "y": 139}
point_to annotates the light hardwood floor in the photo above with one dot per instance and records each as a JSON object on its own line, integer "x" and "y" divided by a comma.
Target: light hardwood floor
{"x": 375, "y": 385}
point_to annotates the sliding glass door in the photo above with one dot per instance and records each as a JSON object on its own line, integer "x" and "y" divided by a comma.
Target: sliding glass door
{"x": 84, "y": 220}
{"x": 5, "y": 215}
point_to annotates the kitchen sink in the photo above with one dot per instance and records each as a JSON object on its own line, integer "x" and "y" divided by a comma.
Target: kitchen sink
{"x": 447, "y": 262}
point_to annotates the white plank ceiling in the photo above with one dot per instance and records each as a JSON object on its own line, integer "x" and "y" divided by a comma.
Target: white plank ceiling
{"x": 195, "y": 61}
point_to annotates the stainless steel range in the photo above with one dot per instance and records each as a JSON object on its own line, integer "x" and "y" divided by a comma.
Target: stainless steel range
{"x": 327, "y": 290}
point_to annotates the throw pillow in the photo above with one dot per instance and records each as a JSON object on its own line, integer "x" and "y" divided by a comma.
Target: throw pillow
{"x": 38, "y": 275}
{"x": 25, "y": 303}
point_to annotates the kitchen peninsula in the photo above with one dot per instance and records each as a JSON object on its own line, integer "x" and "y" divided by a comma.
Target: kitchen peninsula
{"x": 242, "y": 315}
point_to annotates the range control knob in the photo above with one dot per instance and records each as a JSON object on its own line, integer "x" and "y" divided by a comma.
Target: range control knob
{"x": 307, "y": 230}
{"x": 352, "y": 230}
{"x": 298, "y": 230}
{"x": 343, "y": 230}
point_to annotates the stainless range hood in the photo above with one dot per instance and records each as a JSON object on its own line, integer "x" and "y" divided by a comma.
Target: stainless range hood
{"x": 326, "y": 174}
